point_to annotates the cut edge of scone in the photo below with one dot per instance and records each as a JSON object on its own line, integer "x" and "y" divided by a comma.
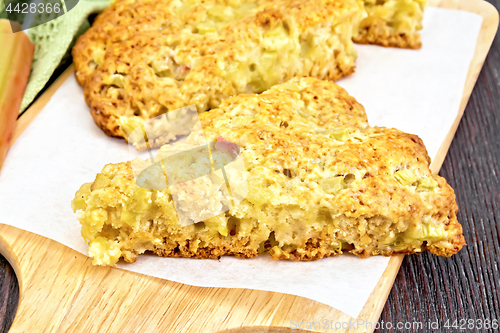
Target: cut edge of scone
{"x": 357, "y": 189}
{"x": 392, "y": 23}
{"x": 221, "y": 235}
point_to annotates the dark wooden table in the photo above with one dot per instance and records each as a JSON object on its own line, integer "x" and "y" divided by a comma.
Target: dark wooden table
{"x": 440, "y": 293}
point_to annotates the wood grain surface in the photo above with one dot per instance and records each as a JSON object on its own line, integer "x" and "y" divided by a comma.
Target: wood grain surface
{"x": 429, "y": 288}
{"x": 467, "y": 285}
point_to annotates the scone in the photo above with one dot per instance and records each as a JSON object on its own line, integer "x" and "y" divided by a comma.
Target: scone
{"x": 177, "y": 53}
{"x": 316, "y": 181}
{"x": 392, "y": 23}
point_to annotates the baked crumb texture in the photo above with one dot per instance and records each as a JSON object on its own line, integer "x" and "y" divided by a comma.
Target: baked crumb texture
{"x": 392, "y": 23}
{"x": 143, "y": 58}
{"x": 320, "y": 182}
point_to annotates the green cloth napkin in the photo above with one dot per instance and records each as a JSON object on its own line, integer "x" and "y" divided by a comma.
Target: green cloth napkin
{"x": 52, "y": 42}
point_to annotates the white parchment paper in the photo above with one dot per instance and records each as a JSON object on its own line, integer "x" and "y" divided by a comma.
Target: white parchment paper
{"x": 415, "y": 91}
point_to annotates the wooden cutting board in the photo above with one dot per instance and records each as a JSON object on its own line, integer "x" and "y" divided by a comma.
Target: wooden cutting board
{"x": 60, "y": 290}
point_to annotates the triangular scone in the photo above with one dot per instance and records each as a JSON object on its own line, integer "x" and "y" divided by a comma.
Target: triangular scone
{"x": 146, "y": 57}
{"x": 319, "y": 180}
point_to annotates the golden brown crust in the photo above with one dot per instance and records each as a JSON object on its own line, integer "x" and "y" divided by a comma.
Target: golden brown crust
{"x": 107, "y": 123}
{"x": 210, "y": 251}
{"x": 314, "y": 249}
{"x": 108, "y": 120}
{"x": 321, "y": 182}
{"x": 119, "y": 22}
{"x": 383, "y": 36}
{"x": 135, "y": 68}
